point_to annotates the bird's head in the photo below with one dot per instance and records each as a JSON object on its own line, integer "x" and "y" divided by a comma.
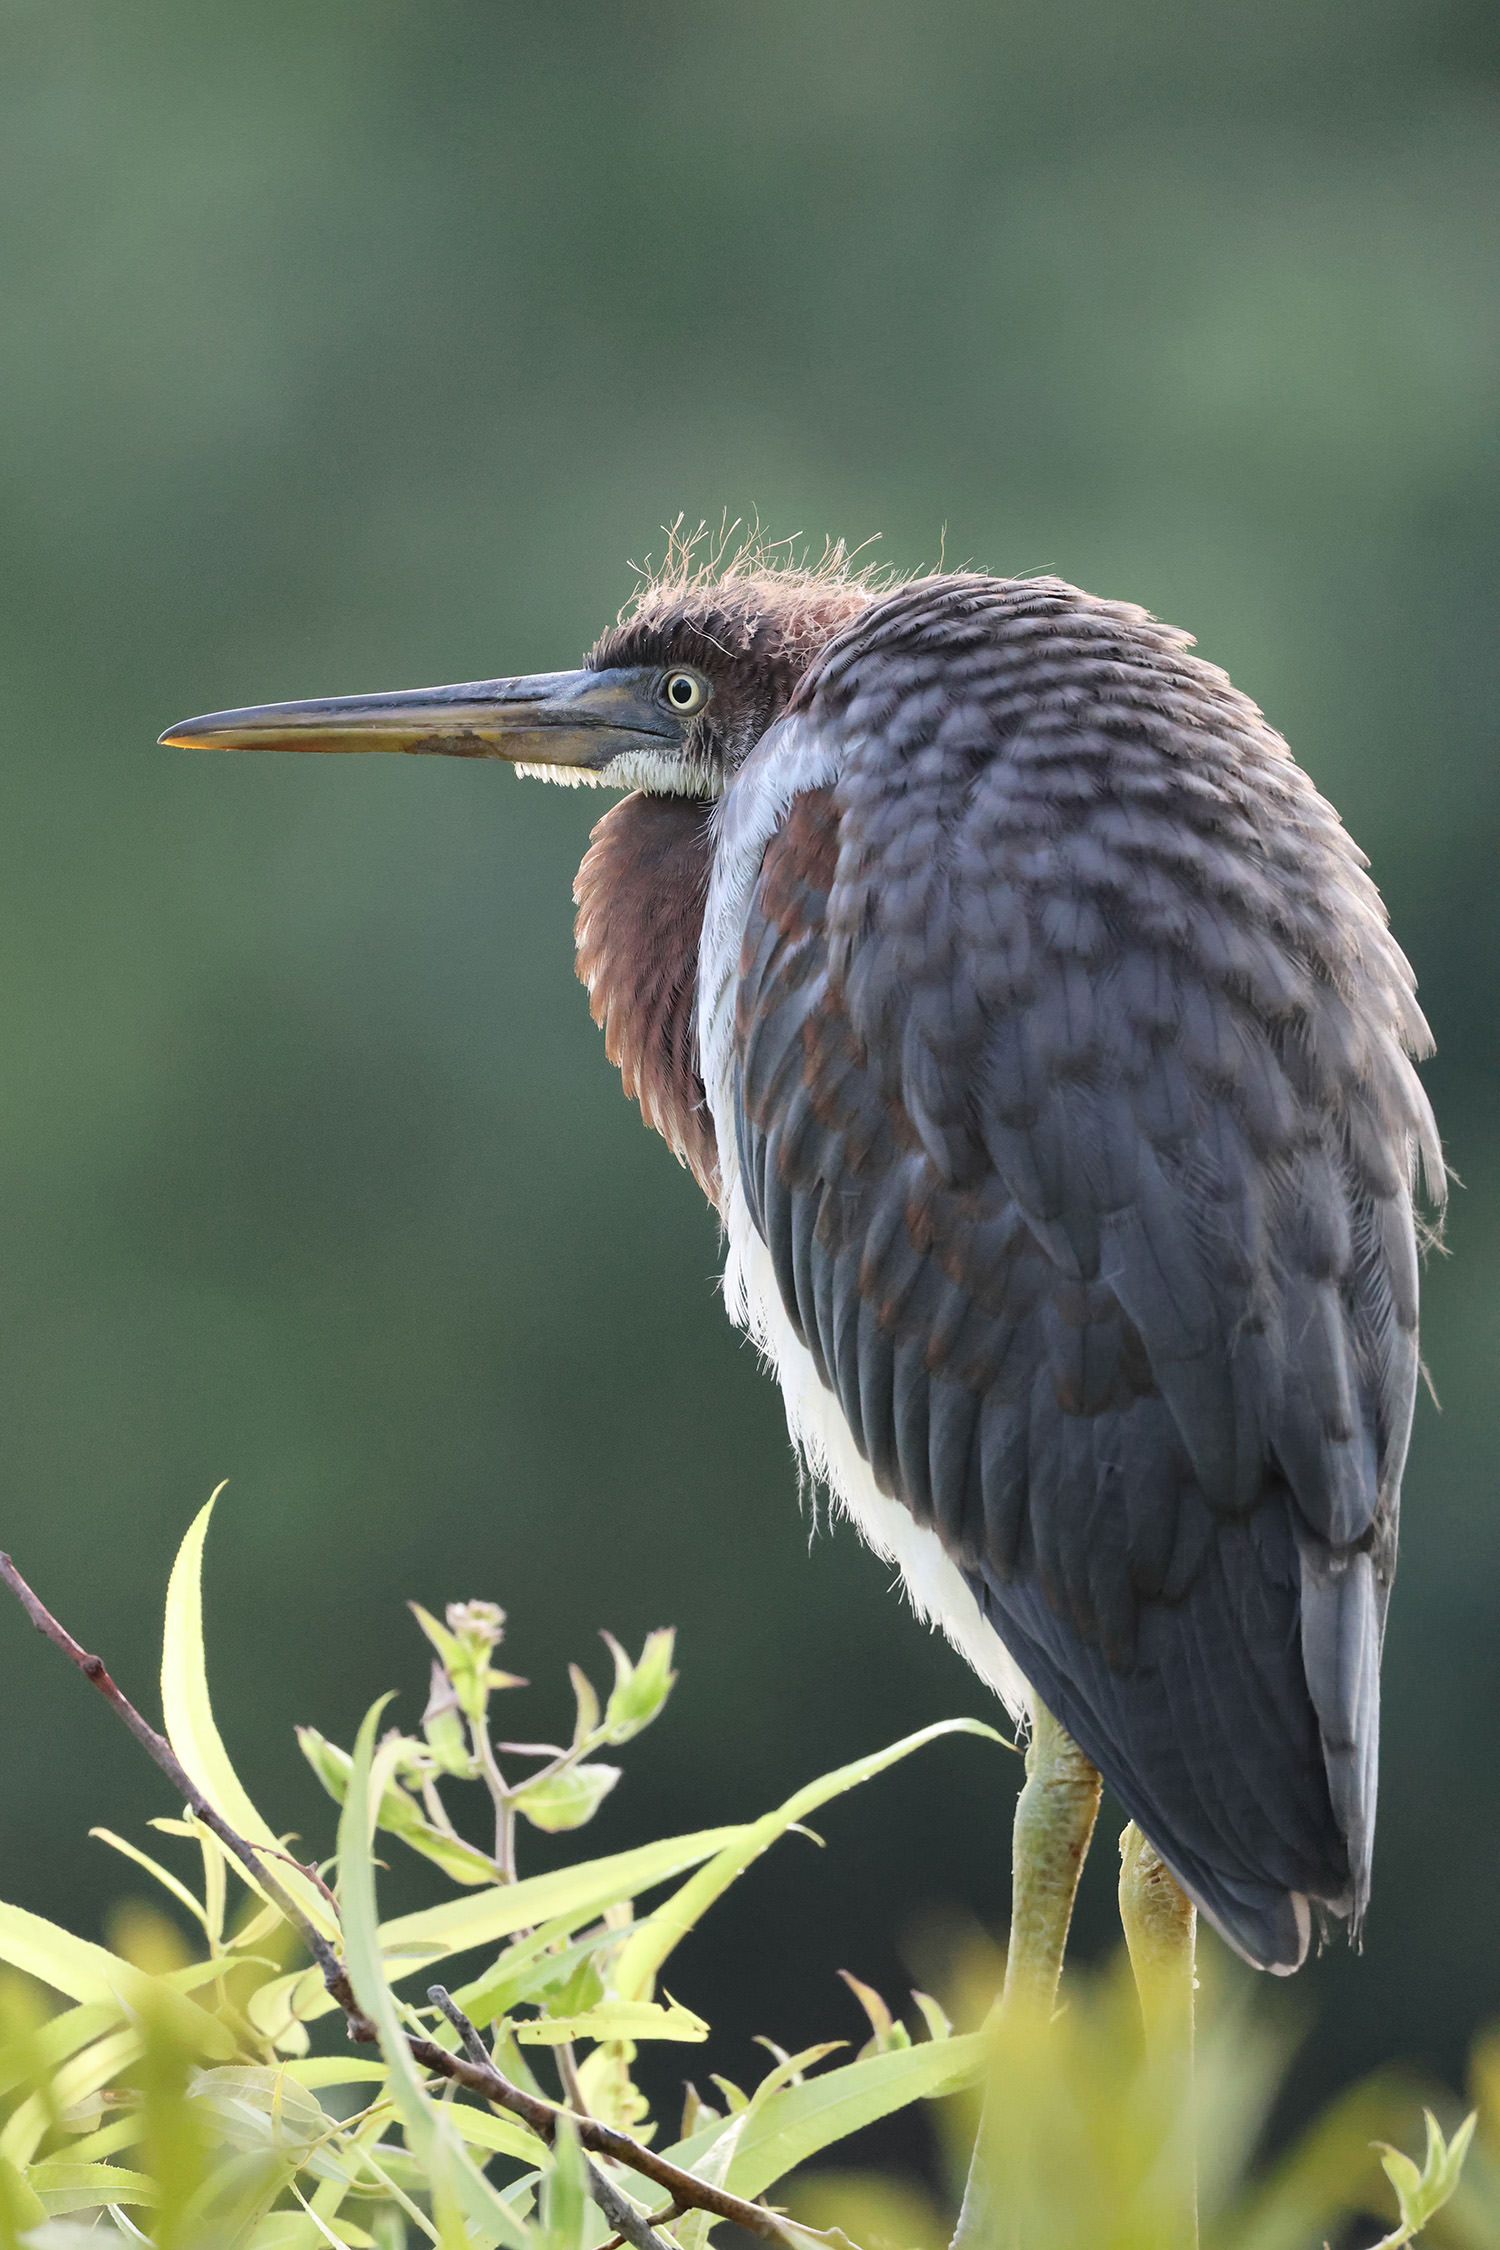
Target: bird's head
{"x": 670, "y": 700}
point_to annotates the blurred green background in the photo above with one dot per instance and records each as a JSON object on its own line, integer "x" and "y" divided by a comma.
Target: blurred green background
{"x": 360, "y": 343}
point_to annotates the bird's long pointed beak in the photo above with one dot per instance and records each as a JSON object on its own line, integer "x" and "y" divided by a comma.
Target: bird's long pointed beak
{"x": 580, "y": 719}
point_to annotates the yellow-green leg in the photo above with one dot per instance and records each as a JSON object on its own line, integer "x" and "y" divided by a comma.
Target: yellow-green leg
{"x": 1055, "y": 1817}
{"x": 1160, "y": 1930}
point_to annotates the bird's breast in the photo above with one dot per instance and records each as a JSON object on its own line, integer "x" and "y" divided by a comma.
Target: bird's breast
{"x": 640, "y": 894}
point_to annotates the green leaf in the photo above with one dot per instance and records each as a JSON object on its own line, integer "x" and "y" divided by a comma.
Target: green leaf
{"x": 636, "y": 1971}
{"x": 798, "y": 2122}
{"x": 587, "y": 1717}
{"x": 572, "y": 1894}
{"x": 91, "y": 1974}
{"x": 531, "y": 1969}
{"x": 333, "y": 2070}
{"x": 18, "y": 2203}
{"x": 399, "y": 1814}
{"x": 1420, "y": 2195}
{"x": 640, "y": 1689}
{"x": 164, "y": 1876}
{"x": 73, "y": 2087}
{"x": 572, "y": 1994}
{"x": 262, "y": 2109}
{"x": 564, "y": 2196}
{"x": 935, "y": 2017}
{"x": 449, "y": 1653}
{"x": 328, "y": 1761}
{"x": 568, "y": 1799}
{"x": 66, "y": 2187}
{"x": 615, "y": 2019}
{"x": 443, "y": 1727}
{"x": 193, "y": 1734}
{"x": 429, "y": 2132}
{"x": 713, "y": 2169}
{"x": 497, "y": 2135}
{"x": 888, "y": 2033}
{"x": 792, "y": 2069}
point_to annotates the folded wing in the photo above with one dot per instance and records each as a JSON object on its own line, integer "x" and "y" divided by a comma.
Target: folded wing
{"x": 1072, "y": 1101}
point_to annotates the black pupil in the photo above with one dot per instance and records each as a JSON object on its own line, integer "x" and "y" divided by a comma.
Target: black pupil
{"x": 681, "y": 691}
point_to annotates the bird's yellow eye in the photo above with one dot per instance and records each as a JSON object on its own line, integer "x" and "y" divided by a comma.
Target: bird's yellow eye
{"x": 684, "y": 693}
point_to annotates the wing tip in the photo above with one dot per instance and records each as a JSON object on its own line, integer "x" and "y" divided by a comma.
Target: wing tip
{"x": 1272, "y": 1929}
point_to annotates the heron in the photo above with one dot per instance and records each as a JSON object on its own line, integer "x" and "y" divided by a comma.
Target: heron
{"x": 1037, "y": 1033}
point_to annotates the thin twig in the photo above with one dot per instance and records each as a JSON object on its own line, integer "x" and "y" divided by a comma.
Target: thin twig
{"x": 468, "y": 2031}
{"x": 630, "y": 2224}
{"x": 494, "y": 1782}
{"x": 567, "y": 2071}
{"x": 251, "y": 1856}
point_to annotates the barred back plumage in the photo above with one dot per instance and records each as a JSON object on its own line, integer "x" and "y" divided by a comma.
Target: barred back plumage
{"x": 1069, "y": 1090}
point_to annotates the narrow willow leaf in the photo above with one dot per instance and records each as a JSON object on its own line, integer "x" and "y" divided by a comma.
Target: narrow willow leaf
{"x": 53, "y": 2042}
{"x": 163, "y": 1875}
{"x": 799, "y": 2122}
{"x": 615, "y": 2019}
{"x": 501, "y": 2136}
{"x": 790, "y": 2070}
{"x": 569, "y": 1895}
{"x": 193, "y": 1734}
{"x": 257, "y": 2107}
{"x": 121, "y": 2132}
{"x": 530, "y": 1968}
{"x": 639, "y": 1964}
{"x": 429, "y": 2132}
{"x": 348, "y": 2237}
{"x": 713, "y": 2169}
{"x": 274, "y": 2007}
{"x": 934, "y": 2016}
{"x": 575, "y": 1993}
{"x": 587, "y": 1718}
{"x": 78, "y": 2079}
{"x": 888, "y": 2033}
{"x": 17, "y": 2200}
{"x": 66, "y": 2186}
{"x": 564, "y": 2197}
{"x": 89, "y": 1973}
{"x": 334, "y": 2070}
{"x": 1421, "y": 2193}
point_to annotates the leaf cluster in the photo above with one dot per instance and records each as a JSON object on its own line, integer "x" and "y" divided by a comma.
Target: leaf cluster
{"x": 203, "y": 2097}
{"x": 184, "y": 2099}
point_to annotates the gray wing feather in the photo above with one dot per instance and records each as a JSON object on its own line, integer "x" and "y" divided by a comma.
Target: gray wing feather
{"x": 1073, "y": 1102}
